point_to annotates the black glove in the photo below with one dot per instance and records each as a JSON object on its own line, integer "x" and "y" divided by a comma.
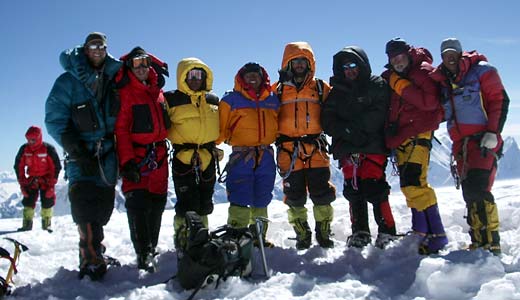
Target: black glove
{"x": 130, "y": 171}
{"x": 355, "y": 137}
{"x": 88, "y": 164}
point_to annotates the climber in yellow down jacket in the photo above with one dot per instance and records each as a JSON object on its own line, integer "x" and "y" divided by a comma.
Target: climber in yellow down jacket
{"x": 193, "y": 111}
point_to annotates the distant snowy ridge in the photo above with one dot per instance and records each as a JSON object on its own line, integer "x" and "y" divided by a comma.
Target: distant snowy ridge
{"x": 439, "y": 175}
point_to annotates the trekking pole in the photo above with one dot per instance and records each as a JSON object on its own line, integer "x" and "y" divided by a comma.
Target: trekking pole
{"x": 18, "y": 248}
{"x": 259, "y": 222}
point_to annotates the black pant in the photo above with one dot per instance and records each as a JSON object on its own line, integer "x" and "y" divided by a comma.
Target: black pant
{"x": 193, "y": 196}
{"x": 144, "y": 211}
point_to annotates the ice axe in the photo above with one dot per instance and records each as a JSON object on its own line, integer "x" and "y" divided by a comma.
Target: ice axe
{"x": 5, "y": 288}
{"x": 259, "y": 224}
{"x": 18, "y": 248}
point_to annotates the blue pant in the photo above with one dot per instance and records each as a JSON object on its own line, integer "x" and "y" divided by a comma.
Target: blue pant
{"x": 250, "y": 179}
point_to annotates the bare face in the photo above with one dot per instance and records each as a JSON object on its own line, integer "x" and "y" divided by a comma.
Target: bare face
{"x": 299, "y": 66}
{"x": 400, "y": 62}
{"x": 96, "y": 53}
{"x": 141, "y": 72}
{"x": 254, "y": 80}
{"x": 450, "y": 60}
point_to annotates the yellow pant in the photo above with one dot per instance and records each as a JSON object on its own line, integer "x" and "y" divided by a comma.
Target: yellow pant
{"x": 413, "y": 159}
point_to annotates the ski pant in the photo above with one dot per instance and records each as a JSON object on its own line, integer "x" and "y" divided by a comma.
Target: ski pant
{"x": 91, "y": 207}
{"x": 193, "y": 194}
{"x": 477, "y": 171}
{"x": 48, "y": 199}
{"x": 365, "y": 182}
{"x": 250, "y": 179}
{"x": 413, "y": 159}
{"x": 144, "y": 211}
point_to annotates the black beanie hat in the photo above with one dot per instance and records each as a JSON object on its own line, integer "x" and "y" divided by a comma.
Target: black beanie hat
{"x": 136, "y": 52}
{"x": 251, "y": 67}
{"x": 96, "y": 36}
{"x": 396, "y": 46}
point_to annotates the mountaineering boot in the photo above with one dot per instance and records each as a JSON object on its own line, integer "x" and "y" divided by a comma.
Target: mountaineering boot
{"x": 92, "y": 262}
{"x": 323, "y": 234}
{"x": 303, "y": 234}
{"x": 298, "y": 219}
{"x": 359, "y": 239}
{"x": 323, "y": 214}
{"x": 262, "y": 213}
{"x": 46, "y": 214}
{"x": 484, "y": 226}
{"x": 428, "y": 224}
{"x": 27, "y": 222}
{"x": 386, "y": 225}
{"x": 145, "y": 262}
{"x": 140, "y": 236}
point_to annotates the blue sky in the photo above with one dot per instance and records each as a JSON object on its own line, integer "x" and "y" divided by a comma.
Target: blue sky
{"x": 228, "y": 33}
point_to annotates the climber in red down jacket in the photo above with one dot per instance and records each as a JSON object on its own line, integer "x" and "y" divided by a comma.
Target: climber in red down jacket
{"x": 37, "y": 167}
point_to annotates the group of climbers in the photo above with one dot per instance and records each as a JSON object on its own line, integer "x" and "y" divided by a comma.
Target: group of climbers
{"x": 111, "y": 116}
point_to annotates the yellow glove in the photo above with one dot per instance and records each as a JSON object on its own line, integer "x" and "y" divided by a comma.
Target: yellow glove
{"x": 398, "y": 84}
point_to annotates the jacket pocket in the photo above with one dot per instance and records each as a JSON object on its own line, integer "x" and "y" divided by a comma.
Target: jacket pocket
{"x": 84, "y": 116}
{"x": 143, "y": 122}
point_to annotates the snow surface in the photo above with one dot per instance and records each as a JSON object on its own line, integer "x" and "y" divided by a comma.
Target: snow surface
{"x": 48, "y": 270}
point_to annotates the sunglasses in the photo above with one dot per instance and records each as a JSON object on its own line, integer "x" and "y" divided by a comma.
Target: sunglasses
{"x": 96, "y": 47}
{"x": 194, "y": 75}
{"x": 299, "y": 60}
{"x": 142, "y": 61}
{"x": 31, "y": 141}
{"x": 348, "y": 66}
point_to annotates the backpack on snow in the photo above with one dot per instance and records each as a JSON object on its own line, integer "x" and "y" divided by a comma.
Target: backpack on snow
{"x": 210, "y": 256}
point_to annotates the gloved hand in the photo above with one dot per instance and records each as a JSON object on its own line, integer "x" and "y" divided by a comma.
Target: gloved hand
{"x": 130, "y": 171}
{"x": 397, "y": 83}
{"x": 489, "y": 140}
{"x": 88, "y": 164}
{"x": 355, "y": 137}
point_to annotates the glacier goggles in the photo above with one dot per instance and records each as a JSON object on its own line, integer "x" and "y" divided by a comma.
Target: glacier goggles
{"x": 96, "y": 47}
{"x": 194, "y": 74}
{"x": 142, "y": 61}
{"x": 349, "y": 66}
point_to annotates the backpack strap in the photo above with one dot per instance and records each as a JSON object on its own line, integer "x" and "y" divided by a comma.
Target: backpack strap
{"x": 319, "y": 88}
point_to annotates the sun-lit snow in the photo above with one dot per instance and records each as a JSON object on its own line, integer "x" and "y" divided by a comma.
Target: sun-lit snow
{"x": 49, "y": 269}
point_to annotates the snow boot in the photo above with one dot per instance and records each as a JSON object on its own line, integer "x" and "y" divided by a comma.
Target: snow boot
{"x": 27, "y": 222}
{"x": 323, "y": 214}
